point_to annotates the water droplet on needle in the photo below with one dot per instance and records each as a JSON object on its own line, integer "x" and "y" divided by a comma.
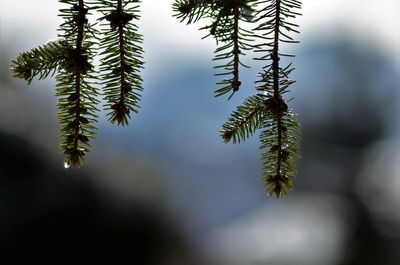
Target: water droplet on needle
{"x": 66, "y": 165}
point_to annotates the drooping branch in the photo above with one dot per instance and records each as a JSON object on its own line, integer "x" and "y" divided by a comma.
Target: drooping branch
{"x": 70, "y": 57}
{"x": 81, "y": 17}
{"x": 122, "y": 60}
{"x": 227, "y": 18}
{"x": 280, "y": 135}
{"x": 42, "y": 61}
{"x": 277, "y": 94}
{"x": 77, "y": 97}
{"x": 245, "y": 120}
{"x": 236, "y": 51}
{"x": 281, "y": 130}
{"x": 120, "y": 107}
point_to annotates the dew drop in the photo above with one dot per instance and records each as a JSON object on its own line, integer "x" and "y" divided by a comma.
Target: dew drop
{"x": 66, "y": 165}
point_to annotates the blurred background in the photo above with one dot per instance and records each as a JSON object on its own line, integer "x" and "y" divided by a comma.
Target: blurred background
{"x": 166, "y": 190}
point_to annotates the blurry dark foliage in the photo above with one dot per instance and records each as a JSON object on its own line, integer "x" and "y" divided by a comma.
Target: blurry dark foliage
{"x": 50, "y": 211}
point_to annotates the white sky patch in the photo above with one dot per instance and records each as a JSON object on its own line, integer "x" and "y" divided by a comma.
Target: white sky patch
{"x": 368, "y": 20}
{"x": 302, "y": 229}
{"x": 36, "y": 21}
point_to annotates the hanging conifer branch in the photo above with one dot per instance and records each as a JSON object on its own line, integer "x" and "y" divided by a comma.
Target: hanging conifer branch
{"x": 245, "y": 120}
{"x": 42, "y": 61}
{"x": 71, "y": 58}
{"x": 122, "y": 59}
{"x": 281, "y": 130}
{"x": 233, "y": 40}
{"x": 192, "y": 10}
{"x": 280, "y": 135}
{"x": 72, "y": 54}
{"x": 77, "y": 96}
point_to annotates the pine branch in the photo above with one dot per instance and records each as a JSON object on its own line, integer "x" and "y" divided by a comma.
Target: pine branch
{"x": 122, "y": 59}
{"x": 42, "y": 61}
{"x": 234, "y": 41}
{"x": 77, "y": 95}
{"x": 71, "y": 56}
{"x": 227, "y": 17}
{"x": 192, "y": 10}
{"x": 245, "y": 120}
{"x": 269, "y": 112}
{"x": 280, "y": 140}
{"x": 281, "y": 130}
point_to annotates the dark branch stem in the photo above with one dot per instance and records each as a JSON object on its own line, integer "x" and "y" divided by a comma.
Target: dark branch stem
{"x": 78, "y": 72}
{"x": 121, "y": 52}
{"x": 275, "y": 70}
{"x": 275, "y": 53}
{"x": 236, "y": 51}
{"x": 81, "y": 23}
